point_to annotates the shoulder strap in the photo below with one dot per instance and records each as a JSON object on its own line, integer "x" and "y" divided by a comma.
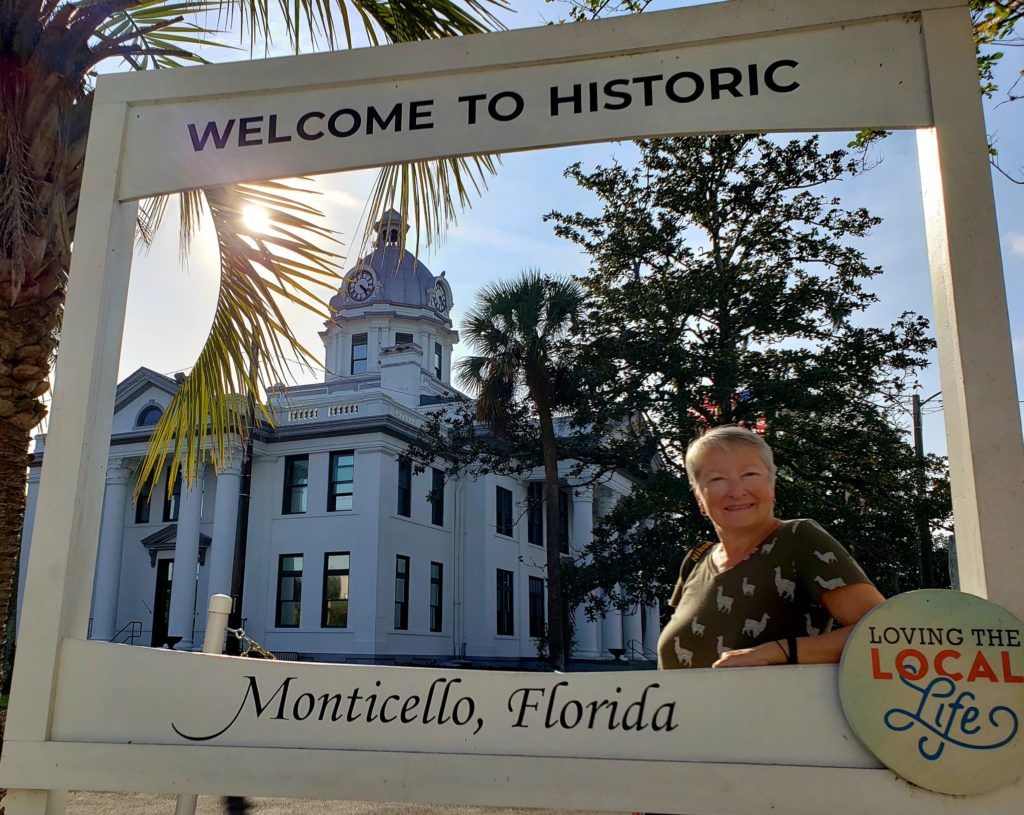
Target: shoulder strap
{"x": 693, "y": 558}
{"x": 689, "y": 563}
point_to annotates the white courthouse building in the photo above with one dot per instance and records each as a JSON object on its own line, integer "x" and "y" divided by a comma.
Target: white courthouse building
{"x": 350, "y": 556}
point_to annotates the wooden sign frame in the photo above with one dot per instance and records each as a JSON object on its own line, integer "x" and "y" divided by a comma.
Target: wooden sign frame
{"x": 90, "y": 715}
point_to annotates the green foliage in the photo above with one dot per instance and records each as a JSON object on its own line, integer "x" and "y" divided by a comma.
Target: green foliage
{"x": 517, "y": 331}
{"x": 580, "y": 10}
{"x": 723, "y": 288}
{"x": 995, "y": 24}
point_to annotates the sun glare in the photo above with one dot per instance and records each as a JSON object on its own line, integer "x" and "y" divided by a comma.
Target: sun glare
{"x": 256, "y": 219}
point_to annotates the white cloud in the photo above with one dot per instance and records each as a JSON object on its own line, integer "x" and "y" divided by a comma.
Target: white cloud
{"x": 342, "y": 198}
{"x": 1015, "y": 240}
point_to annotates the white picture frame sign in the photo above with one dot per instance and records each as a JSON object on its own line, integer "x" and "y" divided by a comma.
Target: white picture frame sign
{"x": 92, "y": 715}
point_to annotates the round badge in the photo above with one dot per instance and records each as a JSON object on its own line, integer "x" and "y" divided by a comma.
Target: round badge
{"x": 932, "y": 682}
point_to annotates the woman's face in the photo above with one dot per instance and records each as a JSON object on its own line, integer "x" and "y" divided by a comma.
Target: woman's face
{"x": 736, "y": 488}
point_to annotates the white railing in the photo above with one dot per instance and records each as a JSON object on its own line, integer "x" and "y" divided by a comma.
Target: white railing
{"x": 308, "y": 414}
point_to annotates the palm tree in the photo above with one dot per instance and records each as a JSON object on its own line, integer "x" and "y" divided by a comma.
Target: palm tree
{"x": 516, "y": 329}
{"x": 49, "y": 51}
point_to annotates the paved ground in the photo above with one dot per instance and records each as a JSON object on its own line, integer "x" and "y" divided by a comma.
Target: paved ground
{"x": 99, "y": 803}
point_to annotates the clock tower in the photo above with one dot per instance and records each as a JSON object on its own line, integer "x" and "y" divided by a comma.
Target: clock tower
{"x": 389, "y": 307}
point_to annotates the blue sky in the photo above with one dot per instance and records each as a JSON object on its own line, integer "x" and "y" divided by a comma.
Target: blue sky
{"x": 170, "y": 304}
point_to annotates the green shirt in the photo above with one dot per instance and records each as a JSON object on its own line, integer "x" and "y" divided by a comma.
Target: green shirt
{"x": 775, "y": 592}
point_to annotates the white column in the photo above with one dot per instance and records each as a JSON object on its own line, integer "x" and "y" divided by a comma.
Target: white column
{"x": 586, "y": 635}
{"x": 186, "y": 561}
{"x": 632, "y": 632}
{"x": 225, "y": 523}
{"x": 652, "y": 627}
{"x": 611, "y": 630}
{"x": 582, "y": 535}
{"x": 26, "y": 536}
{"x": 108, "y": 561}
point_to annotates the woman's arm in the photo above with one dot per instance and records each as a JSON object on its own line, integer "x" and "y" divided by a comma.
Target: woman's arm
{"x": 846, "y": 605}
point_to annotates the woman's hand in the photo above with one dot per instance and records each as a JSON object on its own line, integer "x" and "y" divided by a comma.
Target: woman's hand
{"x": 767, "y": 653}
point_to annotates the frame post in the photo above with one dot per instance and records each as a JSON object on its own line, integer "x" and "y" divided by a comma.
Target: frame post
{"x": 58, "y": 588}
{"x": 983, "y": 435}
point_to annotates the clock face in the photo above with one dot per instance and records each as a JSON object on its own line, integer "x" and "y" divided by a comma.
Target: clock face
{"x": 362, "y": 286}
{"x": 440, "y": 299}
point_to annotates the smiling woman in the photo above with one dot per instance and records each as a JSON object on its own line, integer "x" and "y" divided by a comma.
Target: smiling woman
{"x": 770, "y": 590}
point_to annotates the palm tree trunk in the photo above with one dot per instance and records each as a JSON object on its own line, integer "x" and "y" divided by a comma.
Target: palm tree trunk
{"x": 552, "y": 517}
{"x": 27, "y": 339}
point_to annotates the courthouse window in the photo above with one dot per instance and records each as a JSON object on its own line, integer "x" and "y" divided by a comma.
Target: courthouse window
{"x": 537, "y": 607}
{"x": 404, "y": 487}
{"x": 535, "y": 513}
{"x": 503, "y": 511}
{"x": 359, "y": 346}
{"x": 335, "y": 605}
{"x": 563, "y": 521}
{"x": 436, "y": 595}
{"x": 142, "y": 507}
{"x": 436, "y": 496}
{"x": 149, "y": 416}
{"x": 172, "y": 502}
{"x": 289, "y": 591}
{"x": 296, "y": 484}
{"x": 401, "y": 593}
{"x": 339, "y": 490}
{"x": 506, "y": 605}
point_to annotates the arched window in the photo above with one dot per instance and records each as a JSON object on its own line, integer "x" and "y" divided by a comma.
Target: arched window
{"x": 149, "y": 416}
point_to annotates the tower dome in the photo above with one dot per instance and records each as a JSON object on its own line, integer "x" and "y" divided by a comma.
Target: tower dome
{"x": 393, "y": 275}
{"x": 390, "y": 320}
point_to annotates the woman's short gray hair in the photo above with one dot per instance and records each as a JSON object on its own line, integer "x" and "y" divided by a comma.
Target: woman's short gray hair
{"x": 722, "y": 438}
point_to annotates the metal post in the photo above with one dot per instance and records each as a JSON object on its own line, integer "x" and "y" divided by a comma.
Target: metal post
{"x": 213, "y": 643}
{"x": 924, "y": 534}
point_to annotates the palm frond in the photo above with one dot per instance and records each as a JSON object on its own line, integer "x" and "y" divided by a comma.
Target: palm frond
{"x": 429, "y": 194}
{"x": 493, "y": 385}
{"x": 516, "y": 330}
{"x": 155, "y": 34}
{"x": 258, "y": 271}
{"x": 333, "y": 24}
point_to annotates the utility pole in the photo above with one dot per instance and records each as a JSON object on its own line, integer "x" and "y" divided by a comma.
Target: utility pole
{"x": 924, "y": 534}
{"x": 242, "y": 526}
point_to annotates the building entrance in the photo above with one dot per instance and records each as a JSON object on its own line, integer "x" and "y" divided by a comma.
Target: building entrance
{"x": 162, "y": 601}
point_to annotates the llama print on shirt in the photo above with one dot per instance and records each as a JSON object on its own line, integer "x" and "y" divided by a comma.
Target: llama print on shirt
{"x": 724, "y": 602}
{"x": 684, "y": 656}
{"x": 785, "y": 588}
{"x": 754, "y": 628}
